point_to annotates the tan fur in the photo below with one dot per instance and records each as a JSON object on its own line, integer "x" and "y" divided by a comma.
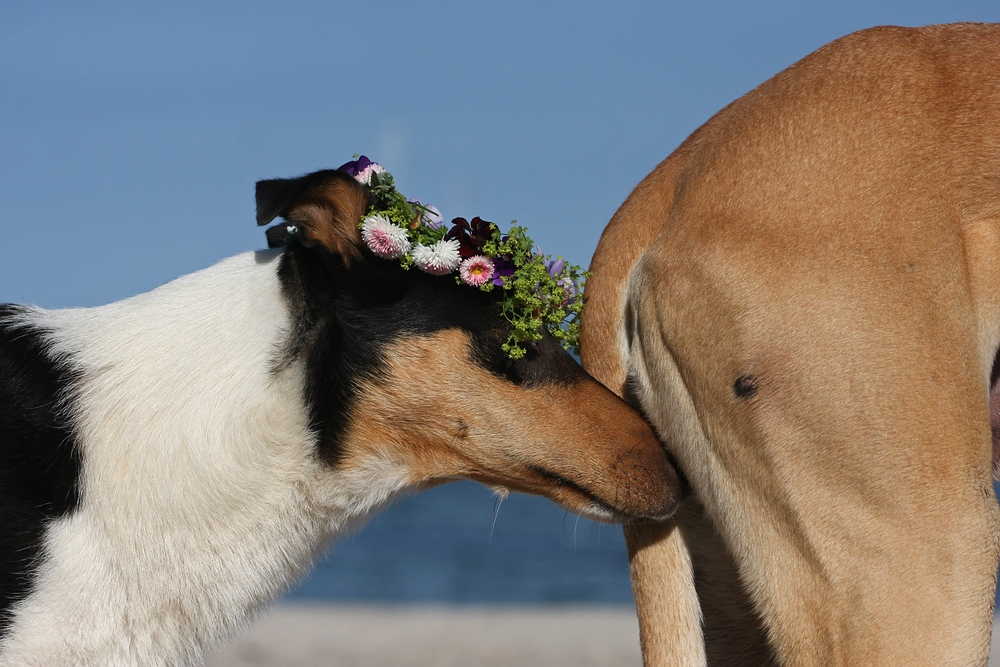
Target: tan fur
{"x": 478, "y": 426}
{"x": 329, "y": 215}
{"x": 834, "y": 233}
{"x": 659, "y": 560}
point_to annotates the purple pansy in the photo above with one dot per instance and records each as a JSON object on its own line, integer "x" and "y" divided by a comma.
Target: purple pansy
{"x": 555, "y": 269}
{"x": 556, "y": 266}
{"x": 501, "y": 267}
{"x": 355, "y": 167}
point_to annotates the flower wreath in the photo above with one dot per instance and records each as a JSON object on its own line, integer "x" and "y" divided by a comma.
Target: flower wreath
{"x": 538, "y": 291}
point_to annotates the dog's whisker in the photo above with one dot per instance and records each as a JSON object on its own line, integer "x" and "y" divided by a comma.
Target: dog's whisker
{"x": 501, "y": 494}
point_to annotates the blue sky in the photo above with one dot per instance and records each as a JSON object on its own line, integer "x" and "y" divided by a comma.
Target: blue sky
{"x": 131, "y": 137}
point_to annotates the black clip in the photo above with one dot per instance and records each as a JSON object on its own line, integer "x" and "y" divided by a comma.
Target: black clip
{"x": 280, "y": 235}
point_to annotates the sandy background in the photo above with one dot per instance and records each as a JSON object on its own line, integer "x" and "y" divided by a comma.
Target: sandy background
{"x": 446, "y": 636}
{"x": 428, "y": 636}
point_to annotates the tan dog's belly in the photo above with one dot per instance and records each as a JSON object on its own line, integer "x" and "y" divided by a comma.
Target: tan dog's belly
{"x": 807, "y": 298}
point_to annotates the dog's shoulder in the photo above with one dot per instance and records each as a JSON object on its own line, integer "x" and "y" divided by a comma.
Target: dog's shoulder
{"x": 39, "y": 461}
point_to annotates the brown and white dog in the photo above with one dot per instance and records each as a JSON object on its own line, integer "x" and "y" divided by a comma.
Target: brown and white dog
{"x": 805, "y": 300}
{"x": 171, "y": 462}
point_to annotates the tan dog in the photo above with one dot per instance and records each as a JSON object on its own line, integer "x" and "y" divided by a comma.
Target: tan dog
{"x": 805, "y": 298}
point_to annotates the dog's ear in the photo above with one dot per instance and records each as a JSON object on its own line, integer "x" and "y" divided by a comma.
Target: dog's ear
{"x": 273, "y": 196}
{"x": 325, "y": 208}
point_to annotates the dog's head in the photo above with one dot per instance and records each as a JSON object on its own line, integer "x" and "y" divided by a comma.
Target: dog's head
{"x": 407, "y": 367}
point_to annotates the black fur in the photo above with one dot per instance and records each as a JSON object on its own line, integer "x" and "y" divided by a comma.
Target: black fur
{"x": 39, "y": 460}
{"x": 346, "y": 317}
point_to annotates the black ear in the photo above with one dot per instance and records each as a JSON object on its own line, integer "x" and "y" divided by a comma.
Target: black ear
{"x": 274, "y": 196}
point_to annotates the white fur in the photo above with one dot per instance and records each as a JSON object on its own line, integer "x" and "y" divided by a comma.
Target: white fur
{"x": 202, "y": 496}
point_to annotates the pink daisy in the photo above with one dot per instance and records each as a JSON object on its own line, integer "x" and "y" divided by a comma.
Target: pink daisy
{"x": 476, "y": 270}
{"x": 384, "y": 238}
{"x": 365, "y": 175}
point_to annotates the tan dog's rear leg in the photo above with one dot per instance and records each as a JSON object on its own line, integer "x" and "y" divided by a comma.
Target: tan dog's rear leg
{"x": 734, "y": 634}
{"x": 682, "y": 573}
{"x": 662, "y": 571}
{"x": 831, "y": 411}
{"x": 995, "y": 416}
{"x": 666, "y": 601}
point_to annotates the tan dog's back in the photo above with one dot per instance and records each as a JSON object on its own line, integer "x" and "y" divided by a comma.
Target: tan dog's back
{"x": 808, "y": 295}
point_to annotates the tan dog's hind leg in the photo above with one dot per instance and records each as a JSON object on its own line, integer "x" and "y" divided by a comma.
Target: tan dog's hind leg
{"x": 663, "y": 584}
{"x": 831, "y": 411}
{"x": 663, "y": 579}
{"x": 686, "y": 586}
{"x": 682, "y": 576}
{"x": 734, "y": 633}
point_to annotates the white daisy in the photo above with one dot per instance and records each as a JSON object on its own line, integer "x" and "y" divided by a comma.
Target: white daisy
{"x": 438, "y": 259}
{"x": 384, "y": 238}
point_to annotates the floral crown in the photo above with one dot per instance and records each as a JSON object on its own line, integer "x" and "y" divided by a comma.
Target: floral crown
{"x": 538, "y": 291}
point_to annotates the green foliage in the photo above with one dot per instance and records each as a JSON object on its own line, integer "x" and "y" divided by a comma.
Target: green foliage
{"x": 393, "y": 205}
{"x": 532, "y": 298}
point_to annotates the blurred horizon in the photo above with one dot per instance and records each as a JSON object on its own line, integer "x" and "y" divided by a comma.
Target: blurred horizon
{"x": 461, "y": 544}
